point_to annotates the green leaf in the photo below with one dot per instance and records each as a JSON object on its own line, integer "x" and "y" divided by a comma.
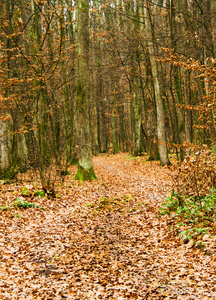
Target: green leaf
{"x": 187, "y": 237}
{"x": 25, "y": 191}
{"x": 39, "y": 193}
{"x": 19, "y": 203}
{"x": 5, "y": 207}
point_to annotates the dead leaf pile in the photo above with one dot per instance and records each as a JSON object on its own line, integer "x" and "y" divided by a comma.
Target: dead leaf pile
{"x": 100, "y": 240}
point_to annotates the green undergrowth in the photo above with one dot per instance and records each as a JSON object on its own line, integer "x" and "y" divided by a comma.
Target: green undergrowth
{"x": 124, "y": 204}
{"x": 28, "y": 193}
{"x": 20, "y": 203}
{"x": 193, "y": 218}
{"x": 17, "y": 204}
{"x": 39, "y": 193}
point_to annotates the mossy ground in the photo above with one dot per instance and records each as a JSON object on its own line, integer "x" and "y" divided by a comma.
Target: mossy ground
{"x": 85, "y": 174}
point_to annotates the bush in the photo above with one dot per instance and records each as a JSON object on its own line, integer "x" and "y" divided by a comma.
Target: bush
{"x": 192, "y": 204}
{"x": 192, "y": 218}
{"x": 197, "y": 175}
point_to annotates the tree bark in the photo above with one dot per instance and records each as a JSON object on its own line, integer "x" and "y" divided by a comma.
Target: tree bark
{"x": 159, "y": 103}
{"x": 84, "y": 146}
{"x": 137, "y": 121}
{"x": 4, "y": 161}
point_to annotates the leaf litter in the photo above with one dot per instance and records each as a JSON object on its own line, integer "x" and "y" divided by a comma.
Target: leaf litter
{"x": 100, "y": 240}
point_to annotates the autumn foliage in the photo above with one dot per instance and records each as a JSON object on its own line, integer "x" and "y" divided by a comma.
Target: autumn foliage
{"x": 196, "y": 175}
{"x": 102, "y": 239}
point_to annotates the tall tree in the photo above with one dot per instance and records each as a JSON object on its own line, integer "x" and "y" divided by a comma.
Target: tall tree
{"x": 5, "y": 44}
{"x": 83, "y": 140}
{"x": 159, "y": 102}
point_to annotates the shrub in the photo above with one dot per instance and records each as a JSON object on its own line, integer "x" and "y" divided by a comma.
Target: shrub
{"x": 196, "y": 176}
{"x": 192, "y": 203}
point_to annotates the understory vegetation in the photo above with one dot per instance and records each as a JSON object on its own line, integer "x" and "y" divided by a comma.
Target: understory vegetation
{"x": 192, "y": 203}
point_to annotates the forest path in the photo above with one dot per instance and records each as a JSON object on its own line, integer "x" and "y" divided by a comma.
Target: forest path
{"x": 102, "y": 240}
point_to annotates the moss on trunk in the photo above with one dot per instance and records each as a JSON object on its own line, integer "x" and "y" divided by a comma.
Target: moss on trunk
{"x": 8, "y": 173}
{"x": 85, "y": 174}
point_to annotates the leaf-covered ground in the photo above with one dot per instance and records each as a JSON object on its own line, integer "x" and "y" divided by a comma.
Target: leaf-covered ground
{"x": 100, "y": 240}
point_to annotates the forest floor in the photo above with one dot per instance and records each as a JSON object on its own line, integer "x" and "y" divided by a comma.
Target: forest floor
{"x": 100, "y": 240}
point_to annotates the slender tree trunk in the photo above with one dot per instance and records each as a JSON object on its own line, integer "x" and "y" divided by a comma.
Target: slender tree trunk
{"x": 213, "y": 21}
{"x": 4, "y": 158}
{"x": 114, "y": 133}
{"x": 159, "y": 103}
{"x": 137, "y": 121}
{"x": 5, "y": 12}
{"x": 152, "y": 131}
{"x": 188, "y": 125}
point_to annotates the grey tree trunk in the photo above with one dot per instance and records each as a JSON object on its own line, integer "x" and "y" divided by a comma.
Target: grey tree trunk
{"x": 159, "y": 103}
{"x": 4, "y": 64}
{"x": 4, "y": 158}
{"x": 114, "y": 134}
{"x": 22, "y": 151}
{"x": 84, "y": 146}
{"x": 137, "y": 122}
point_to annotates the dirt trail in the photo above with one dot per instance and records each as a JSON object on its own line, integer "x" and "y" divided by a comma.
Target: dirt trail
{"x": 117, "y": 248}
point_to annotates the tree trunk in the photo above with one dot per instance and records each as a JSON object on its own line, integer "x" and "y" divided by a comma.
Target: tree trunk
{"x": 188, "y": 119}
{"x": 4, "y": 76}
{"x": 159, "y": 103}
{"x": 22, "y": 152}
{"x": 137, "y": 122}
{"x": 114, "y": 133}
{"x": 4, "y": 158}
{"x": 84, "y": 148}
{"x": 213, "y": 20}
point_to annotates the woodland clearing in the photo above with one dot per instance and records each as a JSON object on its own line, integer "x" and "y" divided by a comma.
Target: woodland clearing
{"x": 102, "y": 239}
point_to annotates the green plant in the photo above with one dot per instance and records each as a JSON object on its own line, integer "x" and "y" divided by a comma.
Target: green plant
{"x": 25, "y": 191}
{"x": 15, "y": 215}
{"x": 18, "y": 216}
{"x": 171, "y": 203}
{"x": 193, "y": 233}
{"x": 131, "y": 157}
{"x": 39, "y": 193}
{"x": 127, "y": 198}
{"x": 199, "y": 215}
{"x": 20, "y": 203}
{"x": 5, "y": 207}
